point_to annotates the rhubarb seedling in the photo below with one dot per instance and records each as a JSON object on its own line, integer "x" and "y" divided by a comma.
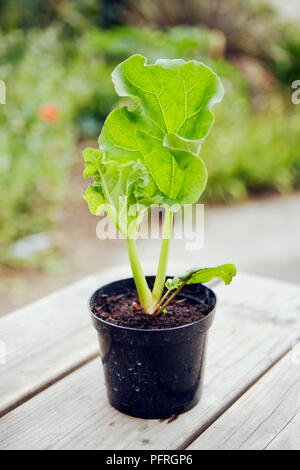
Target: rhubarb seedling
{"x": 149, "y": 154}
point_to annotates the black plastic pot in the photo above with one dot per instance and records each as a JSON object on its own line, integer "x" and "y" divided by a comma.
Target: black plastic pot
{"x": 154, "y": 373}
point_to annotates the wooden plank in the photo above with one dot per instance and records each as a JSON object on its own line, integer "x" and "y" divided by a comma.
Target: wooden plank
{"x": 43, "y": 341}
{"x": 266, "y": 417}
{"x": 48, "y": 339}
{"x": 269, "y": 300}
{"x": 288, "y": 438}
{"x": 74, "y": 413}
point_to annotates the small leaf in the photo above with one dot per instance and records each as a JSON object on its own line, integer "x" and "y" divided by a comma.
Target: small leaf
{"x": 95, "y": 199}
{"x": 92, "y": 158}
{"x": 172, "y": 284}
{"x": 225, "y": 272}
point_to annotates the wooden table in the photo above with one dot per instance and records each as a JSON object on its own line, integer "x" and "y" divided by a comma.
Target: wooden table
{"x": 53, "y": 397}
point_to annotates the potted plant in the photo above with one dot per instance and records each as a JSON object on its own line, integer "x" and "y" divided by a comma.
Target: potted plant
{"x": 152, "y": 331}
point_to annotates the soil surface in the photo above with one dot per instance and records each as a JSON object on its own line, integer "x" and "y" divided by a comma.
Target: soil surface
{"x": 124, "y": 310}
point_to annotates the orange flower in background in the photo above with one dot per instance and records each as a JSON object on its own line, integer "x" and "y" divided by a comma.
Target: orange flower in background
{"x": 49, "y": 112}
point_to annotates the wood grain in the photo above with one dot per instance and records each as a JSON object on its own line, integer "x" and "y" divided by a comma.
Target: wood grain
{"x": 47, "y": 339}
{"x": 266, "y": 417}
{"x": 257, "y": 322}
{"x": 50, "y": 338}
{"x": 74, "y": 413}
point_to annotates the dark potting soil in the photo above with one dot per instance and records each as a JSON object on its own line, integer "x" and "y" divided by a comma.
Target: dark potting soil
{"x": 124, "y": 310}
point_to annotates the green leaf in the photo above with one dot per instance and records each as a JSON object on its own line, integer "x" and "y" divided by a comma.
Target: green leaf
{"x": 173, "y": 283}
{"x": 118, "y": 190}
{"x": 149, "y": 153}
{"x": 92, "y": 158}
{"x": 165, "y": 130}
{"x": 95, "y": 199}
{"x": 225, "y": 272}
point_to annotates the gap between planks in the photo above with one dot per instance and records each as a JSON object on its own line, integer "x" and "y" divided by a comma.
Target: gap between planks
{"x": 46, "y": 385}
{"x": 234, "y": 300}
{"x": 74, "y": 413}
{"x": 38, "y": 333}
{"x": 266, "y": 417}
{"x": 222, "y": 412}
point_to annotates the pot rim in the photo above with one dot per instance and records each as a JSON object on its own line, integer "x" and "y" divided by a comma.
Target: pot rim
{"x": 151, "y": 330}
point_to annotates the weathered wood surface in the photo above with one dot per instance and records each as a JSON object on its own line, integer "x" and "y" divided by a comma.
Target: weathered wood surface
{"x": 48, "y": 339}
{"x": 43, "y": 341}
{"x": 266, "y": 417}
{"x": 288, "y": 438}
{"x": 257, "y": 322}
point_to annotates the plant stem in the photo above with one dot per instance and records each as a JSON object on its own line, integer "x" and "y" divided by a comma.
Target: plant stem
{"x": 163, "y": 259}
{"x": 143, "y": 290}
{"x": 163, "y": 299}
{"x": 168, "y": 301}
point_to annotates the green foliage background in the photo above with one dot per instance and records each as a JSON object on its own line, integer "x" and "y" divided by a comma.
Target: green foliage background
{"x": 56, "y": 52}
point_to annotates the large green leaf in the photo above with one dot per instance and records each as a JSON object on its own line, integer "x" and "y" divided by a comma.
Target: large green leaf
{"x": 165, "y": 130}
{"x": 149, "y": 152}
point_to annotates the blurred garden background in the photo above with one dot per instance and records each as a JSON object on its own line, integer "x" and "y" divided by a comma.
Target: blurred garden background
{"x": 56, "y": 57}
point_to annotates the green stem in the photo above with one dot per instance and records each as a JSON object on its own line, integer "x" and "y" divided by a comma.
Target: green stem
{"x": 168, "y": 301}
{"x": 163, "y": 259}
{"x": 163, "y": 299}
{"x": 143, "y": 290}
